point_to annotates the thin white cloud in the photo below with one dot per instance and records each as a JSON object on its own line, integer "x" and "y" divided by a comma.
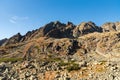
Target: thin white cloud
{"x": 15, "y": 19}
{"x": 12, "y": 21}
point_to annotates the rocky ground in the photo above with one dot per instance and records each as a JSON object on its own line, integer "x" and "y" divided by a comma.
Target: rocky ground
{"x": 60, "y": 51}
{"x": 57, "y": 69}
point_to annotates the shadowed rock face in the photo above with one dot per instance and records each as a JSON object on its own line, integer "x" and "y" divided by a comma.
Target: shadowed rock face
{"x": 58, "y": 30}
{"x": 14, "y": 39}
{"x": 53, "y": 29}
{"x": 2, "y": 41}
{"x": 52, "y": 26}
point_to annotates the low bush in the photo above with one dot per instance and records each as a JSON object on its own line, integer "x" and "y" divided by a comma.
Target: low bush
{"x": 10, "y": 59}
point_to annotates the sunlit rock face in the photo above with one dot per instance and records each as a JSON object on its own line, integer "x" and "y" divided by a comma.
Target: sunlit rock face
{"x": 85, "y": 28}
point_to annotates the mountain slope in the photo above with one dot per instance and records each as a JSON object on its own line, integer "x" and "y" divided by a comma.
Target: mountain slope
{"x": 60, "y": 51}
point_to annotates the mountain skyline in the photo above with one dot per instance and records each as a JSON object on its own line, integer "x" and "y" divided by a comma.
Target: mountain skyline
{"x": 26, "y": 15}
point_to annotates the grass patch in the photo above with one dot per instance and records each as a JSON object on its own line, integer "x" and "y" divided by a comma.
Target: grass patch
{"x": 73, "y": 67}
{"x": 102, "y": 62}
{"x": 54, "y": 59}
{"x": 70, "y": 66}
{"x": 62, "y": 63}
{"x": 10, "y": 59}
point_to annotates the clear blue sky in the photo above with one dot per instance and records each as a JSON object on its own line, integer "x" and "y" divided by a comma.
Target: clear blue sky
{"x": 24, "y": 15}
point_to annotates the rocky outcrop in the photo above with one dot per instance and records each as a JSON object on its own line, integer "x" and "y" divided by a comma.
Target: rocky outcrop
{"x": 85, "y": 28}
{"x": 117, "y": 24}
{"x": 109, "y": 26}
{"x": 58, "y": 30}
{"x": 29, "y": 35}
{"x": 13, "y": 40}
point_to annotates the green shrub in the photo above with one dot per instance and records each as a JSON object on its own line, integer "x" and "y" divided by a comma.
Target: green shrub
{"x": 53, "y": 59}
{"x": 102, "y": 62}
{"x": 10, "y": 59}
{"x": 62, "y": 63}
{"x": 73, "y": 67}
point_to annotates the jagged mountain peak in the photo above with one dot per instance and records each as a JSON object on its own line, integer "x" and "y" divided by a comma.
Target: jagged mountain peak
{"x": 57, "y": 29}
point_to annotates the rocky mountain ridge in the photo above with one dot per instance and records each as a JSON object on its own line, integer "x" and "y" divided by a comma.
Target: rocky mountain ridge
{"x": 60, "y": 30}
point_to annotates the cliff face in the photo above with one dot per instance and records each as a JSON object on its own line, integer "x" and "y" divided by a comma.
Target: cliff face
{"x": 60, "y": 51}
